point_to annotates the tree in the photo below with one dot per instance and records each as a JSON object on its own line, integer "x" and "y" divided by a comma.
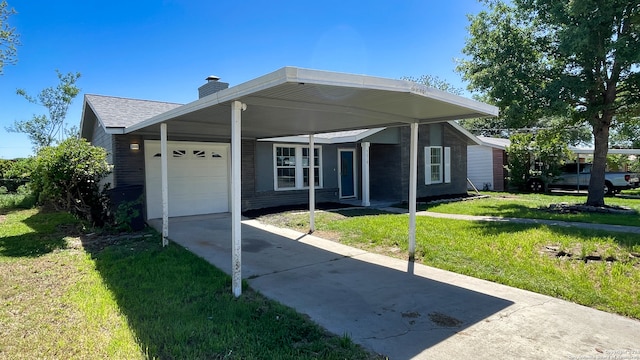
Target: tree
{"x": 537, "y": 155}
{"x": 626, "y": 133}
{"x": 9, "y": 38}
{"x": 45, "y": 130}
{"x": 575, "y": 59}
{"x": 434, "y": 82}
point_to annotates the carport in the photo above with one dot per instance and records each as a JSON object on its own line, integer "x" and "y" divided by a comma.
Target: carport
{"x": 293, "y": 101}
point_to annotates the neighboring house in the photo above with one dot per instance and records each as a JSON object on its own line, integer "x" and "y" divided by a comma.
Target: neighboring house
{"x": 486, "y": 163}
{"x": 274, "y": 170}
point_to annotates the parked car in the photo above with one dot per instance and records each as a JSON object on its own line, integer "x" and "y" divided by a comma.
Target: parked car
{"x": 577, "y": 177}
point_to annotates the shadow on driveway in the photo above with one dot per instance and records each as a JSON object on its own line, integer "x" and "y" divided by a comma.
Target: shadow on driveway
{"x": 346, "y": 290}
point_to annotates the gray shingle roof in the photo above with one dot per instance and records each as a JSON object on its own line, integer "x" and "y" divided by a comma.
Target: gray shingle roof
{"x": 116, "y": 112}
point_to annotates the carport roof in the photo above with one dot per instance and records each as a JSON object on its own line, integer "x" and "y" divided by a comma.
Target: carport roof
{"x": 296, "y": 101}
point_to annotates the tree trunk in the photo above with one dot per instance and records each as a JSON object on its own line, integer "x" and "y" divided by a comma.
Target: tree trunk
{"x": 601, "y": 141}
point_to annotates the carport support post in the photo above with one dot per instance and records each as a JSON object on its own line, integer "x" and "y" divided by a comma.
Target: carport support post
{"x": 165, "y": 184}
{"x": 236, "y": 225}
{"x": 413, "y": 183}
{"x": 365, "y": 174}
{"x": 312, "y": 185}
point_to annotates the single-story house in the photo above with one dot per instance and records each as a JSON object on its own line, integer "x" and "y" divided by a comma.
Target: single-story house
{"x": 486, "y": 163}
{"x": 274, "y": 170}
{"x": 205, "y": 157}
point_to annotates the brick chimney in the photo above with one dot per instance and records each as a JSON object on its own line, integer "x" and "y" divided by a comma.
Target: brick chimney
{"x": 213, "y": 85}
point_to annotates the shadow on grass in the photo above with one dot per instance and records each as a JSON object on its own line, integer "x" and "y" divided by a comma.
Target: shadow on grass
{"x": 383, "y": 308}
{"x": 181, "y": 307}
{"x": 299, "y": 207}
{"x": 360, "y": 212}
{"x": 627, "y": 240}
{"x": 45, "y": 234}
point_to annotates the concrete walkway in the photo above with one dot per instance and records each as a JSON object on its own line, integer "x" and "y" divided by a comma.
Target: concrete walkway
{"x": 406, "y": 310}
{"x": 605, "y": 227}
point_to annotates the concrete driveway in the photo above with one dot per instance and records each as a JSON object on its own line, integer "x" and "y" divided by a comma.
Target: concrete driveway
{"x": 404, "y": 310}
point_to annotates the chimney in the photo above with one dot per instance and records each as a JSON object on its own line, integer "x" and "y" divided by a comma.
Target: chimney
{"x": 213, "y": 85}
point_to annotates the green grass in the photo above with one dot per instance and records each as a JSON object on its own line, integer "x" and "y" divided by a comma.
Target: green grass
{"x": 531, "y": 206}
{"x": 513, "y": 254}
{"x": 634, "y": 192}
{"x": 65, "y": 294}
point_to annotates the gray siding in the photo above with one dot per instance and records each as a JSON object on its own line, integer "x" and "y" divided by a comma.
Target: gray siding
{"x": 389, "y": 168}
{"x": 101, "y": 139}
{"x": 129, "y": 168}
{"x": 386, "y": 136}
{"x": 385, "y": 172}
{"x": 262, "y": 194}
{"x": 389, "y": 164}
{"x": 264, "y": 166}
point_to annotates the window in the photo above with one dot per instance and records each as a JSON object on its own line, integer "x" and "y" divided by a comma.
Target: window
{"x": 199, "y": 153}
{"x": 179, "y": 153}
{"x": 305, "y": 167}
{"x": 437, "y": 167}
{"x": 291, "y": 164}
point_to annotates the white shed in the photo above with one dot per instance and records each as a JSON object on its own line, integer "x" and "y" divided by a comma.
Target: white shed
{"x": 485, "y": 163}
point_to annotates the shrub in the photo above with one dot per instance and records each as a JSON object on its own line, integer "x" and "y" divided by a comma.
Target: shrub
{"x": 68, "y": 177}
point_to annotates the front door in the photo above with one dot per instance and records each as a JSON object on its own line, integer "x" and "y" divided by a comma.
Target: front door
{"x": 347, "y": 173}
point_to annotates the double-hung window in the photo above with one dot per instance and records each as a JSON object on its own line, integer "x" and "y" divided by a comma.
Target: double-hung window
{"x": 437, "y": 167}
{"x": 291, "y": 164}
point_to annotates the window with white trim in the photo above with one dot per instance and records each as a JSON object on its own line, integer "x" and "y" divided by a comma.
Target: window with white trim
{"x": 305, "y": 167}
{"x": 437, "y": 167}
{"x": 291, "y": 164}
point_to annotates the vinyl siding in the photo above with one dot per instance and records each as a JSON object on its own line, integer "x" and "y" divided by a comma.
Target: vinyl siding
{"x": 480, "y": 167}
{"x": 101, "y": 139}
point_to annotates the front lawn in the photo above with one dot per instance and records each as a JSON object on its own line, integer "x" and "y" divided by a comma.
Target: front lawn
{"x": 68, "y": 294}
{"x": 595, "y": 269}
{"x": 533, "y": 206}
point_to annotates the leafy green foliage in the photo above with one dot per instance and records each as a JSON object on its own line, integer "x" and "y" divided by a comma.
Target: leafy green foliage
{"x": 20, "y": 168}
{"x": 126, "y": 213}
{"x": 625, "y": 134}
{"x": 434, "y": 82}
{"x": 68, "y": 177}
{"x": 519, "y": 156}
{"x": 551, "y": 151}
{"x": 15, "y": 173}
{"x": 9, "y": 38}
{"x": 539, "y": 156}
{"x": 44, "y": 130}
{"x": 574, "y": 59}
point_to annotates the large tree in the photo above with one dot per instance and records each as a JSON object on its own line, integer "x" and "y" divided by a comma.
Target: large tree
{"x": 8, "y": 37}
{"x": 578, "y": 59}
{"x": 45, "y": 130}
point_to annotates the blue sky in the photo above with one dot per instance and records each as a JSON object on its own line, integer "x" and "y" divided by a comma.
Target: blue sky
{"x": 163, "y": 50}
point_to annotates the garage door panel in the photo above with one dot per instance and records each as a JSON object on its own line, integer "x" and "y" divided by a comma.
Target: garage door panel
{"x": 198, "y": 178}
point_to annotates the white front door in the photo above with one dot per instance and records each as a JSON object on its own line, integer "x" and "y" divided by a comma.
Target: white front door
{"x": 198, "y": 178}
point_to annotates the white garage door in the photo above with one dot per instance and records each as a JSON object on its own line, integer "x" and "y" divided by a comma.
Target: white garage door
{"x": 198, "y": 178}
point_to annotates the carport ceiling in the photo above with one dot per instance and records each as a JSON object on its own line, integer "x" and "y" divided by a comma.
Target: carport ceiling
{"x": 294, "y": 101}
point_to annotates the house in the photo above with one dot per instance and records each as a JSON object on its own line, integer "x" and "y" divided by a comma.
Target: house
{"x": 274, "y": 170}
{"x": 205, "y": 157}
{"x": 486, "y": 163}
